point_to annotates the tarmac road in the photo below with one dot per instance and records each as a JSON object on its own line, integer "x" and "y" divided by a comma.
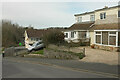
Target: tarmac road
{"x": 23, "y": 69}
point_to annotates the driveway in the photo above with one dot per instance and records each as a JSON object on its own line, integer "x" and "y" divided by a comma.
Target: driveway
{"x": 100, "y": 56}
{"x": 93, "y": 55}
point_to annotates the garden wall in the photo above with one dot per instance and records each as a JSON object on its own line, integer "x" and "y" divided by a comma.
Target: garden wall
{"x": 108, "y": 48}
{"x": 49, "y": 53}
{"x": 14, "y": 51}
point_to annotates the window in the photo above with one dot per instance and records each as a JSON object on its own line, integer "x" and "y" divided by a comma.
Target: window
{"x": 82, "y": 35}
{"x": 118, "y": 38}
{"x": 107, "y": 38}
{"x": 66, "y": 35}
{"x": 72, "y": 34}
{"x": 79, "y": 19}
{"x": 92, "y": 18}
{"x": 112, "y": 38}
{"x": 104, "y": 37}
{"x": 31, "y": 39}
{"x": 102, "y": 15}
{"x": 118, "y": 13}
{"x": 98, "y": 37}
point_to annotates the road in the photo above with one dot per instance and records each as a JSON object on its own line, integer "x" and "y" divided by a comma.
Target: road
{"x": 26, "y": 69}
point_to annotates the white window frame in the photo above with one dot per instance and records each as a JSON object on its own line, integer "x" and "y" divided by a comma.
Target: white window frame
{"x": 65, "y": 35}
{"x": 79, "y": 19}
{"x": 112, "y": 35}
{"x": 92, "y": 17}
{"x": 99, "y": 35}
{"x": 108, "y": 37}
{"x": 103, "y": 15}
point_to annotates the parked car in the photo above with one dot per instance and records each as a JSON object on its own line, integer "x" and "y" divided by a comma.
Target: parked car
{"x": 36, "y": 46}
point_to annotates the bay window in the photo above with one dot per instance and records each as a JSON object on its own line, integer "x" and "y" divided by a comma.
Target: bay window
{"x": 107, "y": 38}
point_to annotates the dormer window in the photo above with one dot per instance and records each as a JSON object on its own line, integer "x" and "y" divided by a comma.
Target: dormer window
{"x": 102, "y": 15}
{"x": 79, "y": 19}
{"x": 92, "y": 17}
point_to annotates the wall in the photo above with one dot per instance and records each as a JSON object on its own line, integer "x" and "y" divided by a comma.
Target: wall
{"x": 15, "y": 51}
{"x": 85, "y": 18}
{"x": 28, "y": 40}
{"x": 107, "y": 48}
{"x": 91, "y": 37}
{"x": 111, "y": 16}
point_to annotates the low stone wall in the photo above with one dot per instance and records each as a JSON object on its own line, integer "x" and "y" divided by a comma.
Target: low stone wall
{"x": 35, "y": 55}
{"x": 71, "y": 49}
{"x": 107, "y": 48}
{"x": 14, "y": 51}
{"x": 49, "y": 53}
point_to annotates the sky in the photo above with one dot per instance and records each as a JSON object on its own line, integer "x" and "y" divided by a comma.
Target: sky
{"x": 48, "y": 14}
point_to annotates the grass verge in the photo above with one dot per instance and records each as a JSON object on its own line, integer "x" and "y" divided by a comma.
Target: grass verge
{"x": 38, "y": 52}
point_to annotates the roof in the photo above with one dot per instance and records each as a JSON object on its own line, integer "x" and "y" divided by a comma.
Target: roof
{"x": 40, "y": 32}
{"x": 80, "y": 26}
{"x": 105, "y": 26}
{"x": 108, "y": 8}
{"x": 105, "y": 8}
{"x": 35, "y": 33}
{"x": 84, "y": 13}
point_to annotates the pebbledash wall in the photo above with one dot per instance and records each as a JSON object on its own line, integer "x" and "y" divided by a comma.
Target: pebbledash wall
{"x": 111, "y": 17}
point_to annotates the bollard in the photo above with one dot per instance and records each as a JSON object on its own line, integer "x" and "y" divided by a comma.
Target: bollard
{"x": 84, "y": 51}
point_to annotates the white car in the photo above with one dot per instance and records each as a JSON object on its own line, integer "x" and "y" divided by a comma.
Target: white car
{"x": 36, "y": 46}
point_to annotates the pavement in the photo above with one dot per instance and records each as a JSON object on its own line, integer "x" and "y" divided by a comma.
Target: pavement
{"x": 54, "y": 68}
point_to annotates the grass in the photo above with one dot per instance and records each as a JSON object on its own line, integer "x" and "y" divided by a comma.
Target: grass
{"x": 38, "y": 52}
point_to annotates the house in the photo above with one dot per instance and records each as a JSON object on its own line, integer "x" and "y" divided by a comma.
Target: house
{"x": 32, "y": 35}
{"x": 103, "y": 29}
{"x": 80, "y": 29}
{"x": 105, "y": 34}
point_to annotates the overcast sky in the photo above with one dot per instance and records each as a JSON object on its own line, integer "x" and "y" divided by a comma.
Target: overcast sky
{"x": 48, "y": 14}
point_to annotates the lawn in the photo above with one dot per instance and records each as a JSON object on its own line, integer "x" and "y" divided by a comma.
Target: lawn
{"x": 38, "y": 52}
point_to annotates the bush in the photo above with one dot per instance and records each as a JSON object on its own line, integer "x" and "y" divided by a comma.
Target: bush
{"x": 53, "y": 37}
{"x": 93, "y": 46}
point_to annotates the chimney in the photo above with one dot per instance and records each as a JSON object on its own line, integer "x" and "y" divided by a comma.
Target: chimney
{"x": 106, "y": 7}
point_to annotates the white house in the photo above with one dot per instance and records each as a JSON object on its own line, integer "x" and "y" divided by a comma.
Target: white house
{"x": 31, "y": 36}
{"x": 80, "y": 29}
{"x": 101, "y": 26}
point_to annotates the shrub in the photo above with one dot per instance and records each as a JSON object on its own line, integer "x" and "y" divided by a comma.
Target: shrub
{"x": 92, "y": 46}
{"x": 53, "y": 37}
